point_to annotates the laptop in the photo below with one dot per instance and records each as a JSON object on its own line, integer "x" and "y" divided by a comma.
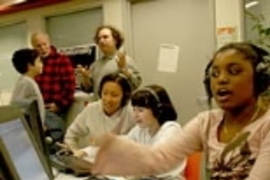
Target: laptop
{"x": 22, "y": 156}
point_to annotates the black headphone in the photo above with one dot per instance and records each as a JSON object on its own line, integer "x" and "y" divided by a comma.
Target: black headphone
{"x": 261, "y": 77}
{"x": 207, "y": 82}
{"x": 158, "y": 109}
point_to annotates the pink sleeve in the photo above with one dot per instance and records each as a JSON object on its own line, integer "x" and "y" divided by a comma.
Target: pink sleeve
{"x": 261, "y": 170}
{"x": 120, "y": 156}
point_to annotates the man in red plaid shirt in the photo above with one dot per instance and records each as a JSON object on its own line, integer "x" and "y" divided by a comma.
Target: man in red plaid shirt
{"x": 57, "y": 82}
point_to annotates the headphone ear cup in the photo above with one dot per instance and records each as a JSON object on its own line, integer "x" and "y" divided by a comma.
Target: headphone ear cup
{"x": 125, "y": 98}
{"x": 158, "y": 110}
{"x": 207, "y": 80}
{"x": 261, "y": 83}
{"x": 262, "y": 77}
{"x": 207, "y": 86}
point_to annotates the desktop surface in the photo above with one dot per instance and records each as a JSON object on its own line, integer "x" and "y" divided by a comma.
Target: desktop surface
{"x": 64, "y": 176}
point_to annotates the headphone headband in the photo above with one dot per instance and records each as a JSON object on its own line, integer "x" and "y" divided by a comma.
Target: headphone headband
{"x": 152, "y": 92}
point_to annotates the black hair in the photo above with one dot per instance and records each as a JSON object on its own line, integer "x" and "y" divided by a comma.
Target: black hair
{"x": 22, "y": 58}
{"x": 156, "y": 98}
{"x": 122, "y": 81}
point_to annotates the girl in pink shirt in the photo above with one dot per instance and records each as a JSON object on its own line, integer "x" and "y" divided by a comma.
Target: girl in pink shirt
{"x": 235, "y": 138}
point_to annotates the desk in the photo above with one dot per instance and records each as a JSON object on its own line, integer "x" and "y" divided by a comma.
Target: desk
{"x": 80, "y": 100}
{"x": 63, "y": 176}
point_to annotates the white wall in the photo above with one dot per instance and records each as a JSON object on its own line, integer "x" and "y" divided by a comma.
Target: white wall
{"x": 230, "y": 13}
{"x": 188, "y": 24}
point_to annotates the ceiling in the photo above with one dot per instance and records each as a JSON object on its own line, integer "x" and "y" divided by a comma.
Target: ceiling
{"x": 12, "y": 6}
{"x": 13, "y": 2}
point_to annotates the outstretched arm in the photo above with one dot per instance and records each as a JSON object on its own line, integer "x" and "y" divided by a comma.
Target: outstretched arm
{"x": 120, "y": 156}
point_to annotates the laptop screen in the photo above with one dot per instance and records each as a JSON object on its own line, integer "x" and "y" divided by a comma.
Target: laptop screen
{"x": 32, "y": 116}
{"x": 20, "y": 151}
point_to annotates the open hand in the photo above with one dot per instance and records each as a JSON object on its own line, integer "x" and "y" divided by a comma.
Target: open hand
{"x": 121, "y": 60}
{"x": 79, "y": 153}
{"x": 83, "y": 72}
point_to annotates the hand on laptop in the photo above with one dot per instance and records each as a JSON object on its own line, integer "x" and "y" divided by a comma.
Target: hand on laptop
{"x": 52, "y": 107}
{"x": 65, "y": 149}
{"x": 83, "y": 73}
{"x": 79, "y": 153}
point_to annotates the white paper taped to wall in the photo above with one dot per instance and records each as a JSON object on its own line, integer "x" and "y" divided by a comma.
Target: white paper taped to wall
{"x": 168, "y": 58}
{"x": 5, "y": 97}
{"x": 226, "y": 35}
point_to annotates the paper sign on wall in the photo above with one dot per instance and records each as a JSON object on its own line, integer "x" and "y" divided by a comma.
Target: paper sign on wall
{"x": 168, "y": 58}
{"x": 226, "y": 35}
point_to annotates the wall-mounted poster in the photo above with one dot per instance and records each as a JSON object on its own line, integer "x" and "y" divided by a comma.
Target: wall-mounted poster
{"x": 226, "y": 35}
{"x": 168, "y": 58}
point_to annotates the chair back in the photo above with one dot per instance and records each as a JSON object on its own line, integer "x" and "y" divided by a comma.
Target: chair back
{"x": 193, "y": 168}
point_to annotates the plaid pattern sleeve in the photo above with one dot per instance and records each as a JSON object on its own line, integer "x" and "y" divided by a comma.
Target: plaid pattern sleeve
{"x": 57, "y": 82}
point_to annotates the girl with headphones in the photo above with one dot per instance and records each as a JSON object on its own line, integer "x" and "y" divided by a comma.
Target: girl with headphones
{"x": 112, "y": 112}
{"x": 155, "y": 119}
{"x": 235, "y": 137}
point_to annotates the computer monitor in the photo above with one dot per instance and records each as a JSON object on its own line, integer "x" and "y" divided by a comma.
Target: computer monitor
{"x": 83, "y": 55}
{"x": 4, "y": 170}
{"x": 32, "y": 115}
{"x": 20, "y": 151}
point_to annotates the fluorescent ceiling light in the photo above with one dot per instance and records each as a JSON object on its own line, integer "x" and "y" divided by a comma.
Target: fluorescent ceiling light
{"x": 19, "y": 1}
{"x": 10, "y": 2}
{"x": 251, "y": 4}
{"x": 4, "y": 4}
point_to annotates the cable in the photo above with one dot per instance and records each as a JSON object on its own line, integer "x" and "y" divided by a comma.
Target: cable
{"x": 1, "y": 98}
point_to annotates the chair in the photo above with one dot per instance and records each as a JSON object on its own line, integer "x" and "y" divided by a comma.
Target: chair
{"x": 80, "y": 101}
{"x": 193, "y": 168}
